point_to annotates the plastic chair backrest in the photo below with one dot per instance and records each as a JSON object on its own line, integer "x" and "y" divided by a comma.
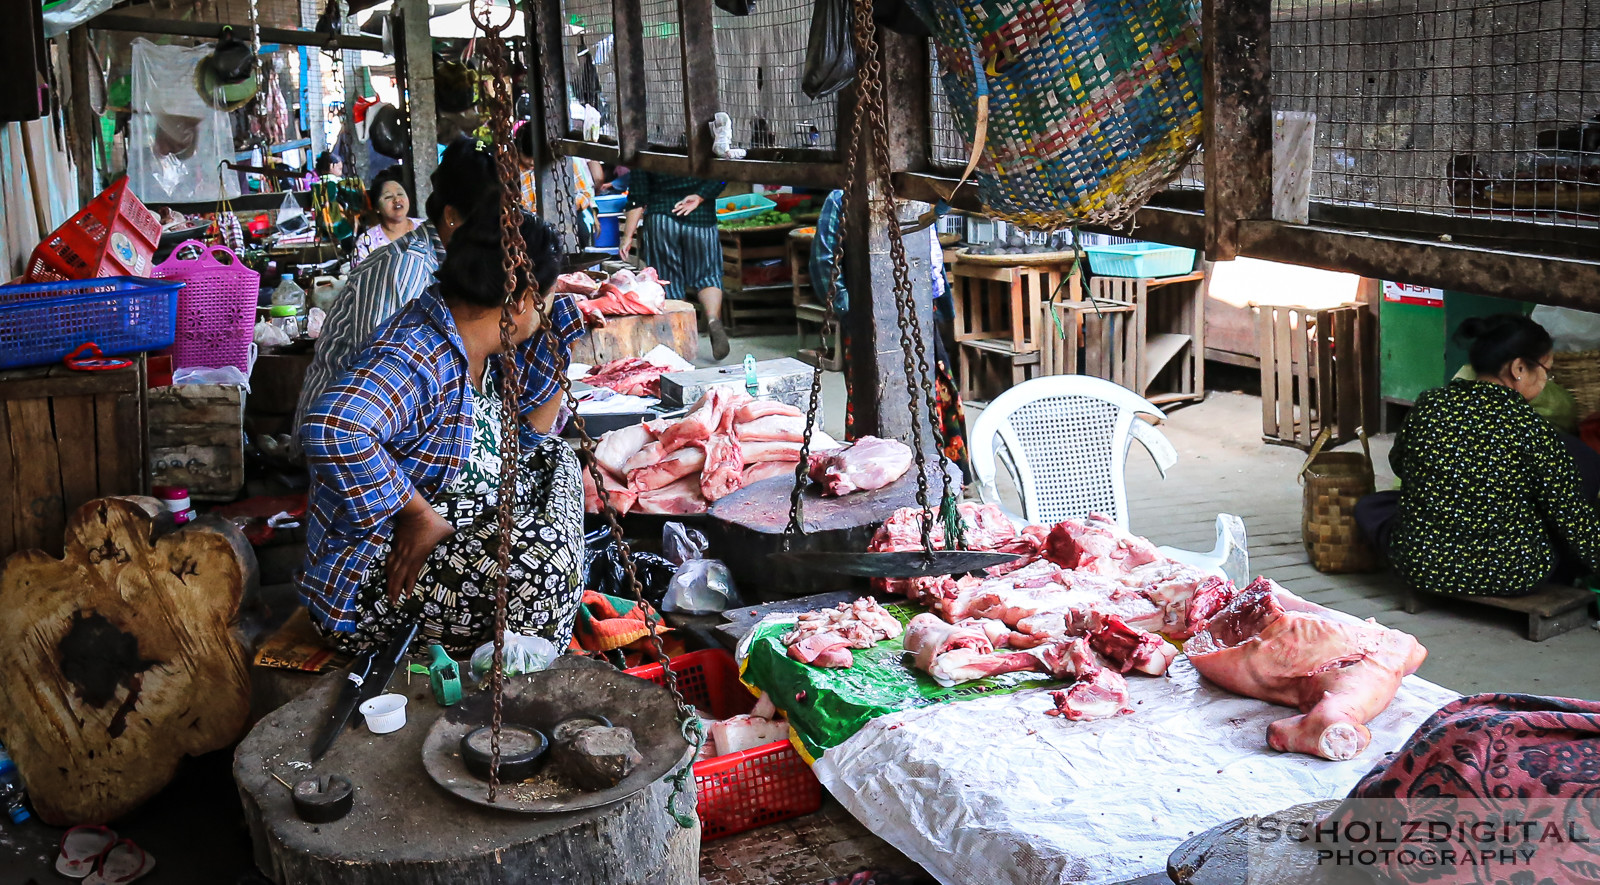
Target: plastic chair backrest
{"x": 1067, "y": 439}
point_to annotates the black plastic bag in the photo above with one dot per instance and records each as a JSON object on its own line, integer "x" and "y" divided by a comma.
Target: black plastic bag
{"x": 737, "y": 7}
{"x": 604, "y": 572}
{"x": 830, "y": 57}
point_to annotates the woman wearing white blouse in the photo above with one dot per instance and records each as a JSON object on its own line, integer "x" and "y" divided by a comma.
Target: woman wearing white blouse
{"x": 388, "y": 196}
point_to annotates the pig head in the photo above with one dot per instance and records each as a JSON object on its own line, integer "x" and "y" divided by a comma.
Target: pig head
{"x": 1339, "y": 672}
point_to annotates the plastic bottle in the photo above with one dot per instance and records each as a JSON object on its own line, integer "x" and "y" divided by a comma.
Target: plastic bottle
{"x": 176, "y": 500}
{"x": 11, "y": 792}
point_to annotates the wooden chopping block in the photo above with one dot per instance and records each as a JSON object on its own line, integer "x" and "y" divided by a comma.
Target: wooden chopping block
{"x": 119, "y": 659}
{"x": 635, "y": 336}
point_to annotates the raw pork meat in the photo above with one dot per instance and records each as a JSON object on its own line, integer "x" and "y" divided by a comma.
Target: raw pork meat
{"x": 783, "y": 428}
{"x": 577, "y": 284}
{"x": 703, "y": 419}
{"x": 723, "y": 470}
{"x": 648, "y": 470}
{"x": 1099, "y": 545}
{"x": 762, "y": 408}
{"x": 621, "y": 497}
{"x": 745, "y": 732}
{"x": 755, "y": 473}
{"x": 629, "y": 294}
{"x": 824, "y": 638}
{"x": 680, "y": 497}
{"x": 757, "y": 452}
{"x": 1132, "y": 649}
{"x": 1186, "y": 596}
{"x": 632, "y": 376}
{"x": 1338, "y": 671}
{"x": 1101, "y": 695}
{"x": 617, "y": 446}
{"x": 871, "y": 463}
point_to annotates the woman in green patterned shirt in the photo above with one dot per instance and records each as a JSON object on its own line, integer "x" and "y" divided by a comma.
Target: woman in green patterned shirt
{"x": 1493, "y": 501}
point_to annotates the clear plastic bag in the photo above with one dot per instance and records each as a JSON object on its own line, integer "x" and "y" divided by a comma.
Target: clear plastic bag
{"x": 1573, "y": 331}
{"x": 701, "y": 587}
{"x": 679, "y": 543}
{"x": 176, "y": 141}
{"x": 523, "y": 654}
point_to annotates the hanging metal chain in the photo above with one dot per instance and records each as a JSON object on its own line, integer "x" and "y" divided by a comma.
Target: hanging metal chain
{"x": 500, "y": 97}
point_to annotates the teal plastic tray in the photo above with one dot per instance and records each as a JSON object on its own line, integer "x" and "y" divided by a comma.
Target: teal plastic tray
{"x": 745, "y": 206}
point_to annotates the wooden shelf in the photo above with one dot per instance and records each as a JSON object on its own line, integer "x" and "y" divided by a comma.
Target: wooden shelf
{"x": 1161, "y": 347}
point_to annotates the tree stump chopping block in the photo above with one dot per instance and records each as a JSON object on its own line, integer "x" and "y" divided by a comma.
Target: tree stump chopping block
{"x": 119, "y": 659}
{"x": 404, "y": 828}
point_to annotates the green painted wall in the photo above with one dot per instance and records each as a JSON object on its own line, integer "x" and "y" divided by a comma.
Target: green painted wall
{"x": 1411, "y": 349}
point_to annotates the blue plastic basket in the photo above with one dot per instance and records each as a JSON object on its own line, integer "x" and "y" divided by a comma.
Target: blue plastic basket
{"x": 40, "y": 323}
{"x": 745, "y": 206}
{"x": 608, "y": 203}
{"x": 1140, "y": 260}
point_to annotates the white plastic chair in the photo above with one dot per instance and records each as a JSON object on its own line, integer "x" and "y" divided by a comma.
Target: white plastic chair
{"x": 1065, "y": 440}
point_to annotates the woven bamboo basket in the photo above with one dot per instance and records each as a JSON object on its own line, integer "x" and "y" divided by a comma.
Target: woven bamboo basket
{"x": 1579, "y": 373}
{"x": 1334, "y": 482}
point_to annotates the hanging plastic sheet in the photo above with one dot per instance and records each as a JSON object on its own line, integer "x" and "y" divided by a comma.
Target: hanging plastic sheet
{"x": 177, "y": 141}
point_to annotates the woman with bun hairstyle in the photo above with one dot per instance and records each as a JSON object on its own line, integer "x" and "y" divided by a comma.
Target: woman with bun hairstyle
{"x": 405, "y": 453}
{"x": 1493, "y": 501}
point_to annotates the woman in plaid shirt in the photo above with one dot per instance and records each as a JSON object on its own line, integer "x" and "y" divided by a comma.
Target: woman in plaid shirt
{"x": 405, "y": 460}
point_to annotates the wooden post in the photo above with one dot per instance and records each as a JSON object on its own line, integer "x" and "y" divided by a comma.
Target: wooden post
{"x": 421, "y": 113}
{"x": 83, "y": 126}
{"x": 905, "y": 74}
{"x": 699, "y": 80}
{"x": 879, "y": 396}
{"x": 1238, "y": 138}
{"x": 628, "y": 27}
{"x": 550, "y": 84}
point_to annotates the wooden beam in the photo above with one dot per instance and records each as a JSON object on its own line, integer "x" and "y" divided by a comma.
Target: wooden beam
{"x": 589, "y": 150}
{"x": 83, "y": 125}
{"x": 817, "y": 175}
{"x": 550, "y": 88}
{"x": 699, "y": 44}
{"x": 1541, "y": 279}
{"x": 422, "y": 115}
{"x": 627, "y": 26}
{"x": 113, "y": 21}
{"x": 666, "y": 164}
{"x": 933, "y": 188}
{"x": 1238, "y": 133}
{"x": 905, "y": 84}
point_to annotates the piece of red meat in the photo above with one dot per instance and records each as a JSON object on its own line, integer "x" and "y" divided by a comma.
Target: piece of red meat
{"x": 1097, "y": 544}
{"x": 665, "y": 470}
{"x": 703, "y": 419}
{"x": 758, "y": 452}
{"x": 629, "y": 294}
{"x": 755, "y": 473}
{"x": 761, "y": 408}
{"x": 580, "y": 284}
{"x": 1131, "y": 649}
{"x": 782, "y": 428}
{"x": 621, "y": 497}
{"x": 633, "y": 376}
{"x": 680, "y": 497}
{"x": 723, "y": 472}
{"x": 869, "y": 464}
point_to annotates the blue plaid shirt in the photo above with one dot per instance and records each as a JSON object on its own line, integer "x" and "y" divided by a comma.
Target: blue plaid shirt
{"x": 400, "y": 419}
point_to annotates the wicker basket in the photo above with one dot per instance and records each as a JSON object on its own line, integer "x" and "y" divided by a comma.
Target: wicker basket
{"x": 1334, "y": 482}
{"x": 1579, "y": 373}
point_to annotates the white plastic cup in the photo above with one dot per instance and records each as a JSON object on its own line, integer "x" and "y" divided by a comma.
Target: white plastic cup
{"x": 385, "y": 713}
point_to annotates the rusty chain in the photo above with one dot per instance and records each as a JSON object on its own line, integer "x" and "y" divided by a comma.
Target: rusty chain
{"x": 500, "y": 96}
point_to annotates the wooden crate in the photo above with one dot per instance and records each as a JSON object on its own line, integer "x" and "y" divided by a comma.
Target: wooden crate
{"x": 197, "y": 439}
{"x": 988, "y": 367}
{"x": 1317, "y": 370}
{"x": 1006, "y": 302}
{"x": 1095, "y": 338}
{"x": 66, "y": 438}
{"x": 746, "y": 308}
{"x": 1163, "y": 341}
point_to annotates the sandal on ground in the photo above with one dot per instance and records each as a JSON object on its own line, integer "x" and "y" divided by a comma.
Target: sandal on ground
{"x": 121, "y": 863}
{"x": 81, "y": 848}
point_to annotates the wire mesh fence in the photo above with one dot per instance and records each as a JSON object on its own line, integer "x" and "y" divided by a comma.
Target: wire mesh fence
{"x": 761, "y": 58}
{"x": 588, "y": 49}
{"x": 947, "y": 148}
{"x": 1483, "y": 107}
{"x": 663, "y": 67}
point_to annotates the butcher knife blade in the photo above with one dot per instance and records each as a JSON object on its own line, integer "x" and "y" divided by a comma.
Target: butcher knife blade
{"x": 904, "y": 564}
{"x": 368, "y": 676}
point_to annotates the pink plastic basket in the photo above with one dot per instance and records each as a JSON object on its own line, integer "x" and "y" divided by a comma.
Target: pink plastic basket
{"x": 216, "y": 308}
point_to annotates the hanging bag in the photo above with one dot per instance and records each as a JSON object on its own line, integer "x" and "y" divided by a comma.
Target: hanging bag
{"x": 1334, "y": 482}
{"x": 1076, "y": 113}
{"x": 216, "y": 306}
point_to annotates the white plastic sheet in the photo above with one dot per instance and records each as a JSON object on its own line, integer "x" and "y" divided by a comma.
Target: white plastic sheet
{"x": 993, "y": 790}
{"x": 177, "y": 142}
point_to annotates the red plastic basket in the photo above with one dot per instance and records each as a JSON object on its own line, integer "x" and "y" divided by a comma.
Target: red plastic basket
{"x": 217, "y": 308}
{"x": 740, "y": 791}
{"x": 113, "y": 236}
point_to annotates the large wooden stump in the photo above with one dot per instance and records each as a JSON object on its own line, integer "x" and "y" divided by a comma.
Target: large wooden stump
{"x": 404, "y": 828}
{"x": 746, "y": 527}
{"x": 119, "y": 659}
{"x": 623, "y": 337}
